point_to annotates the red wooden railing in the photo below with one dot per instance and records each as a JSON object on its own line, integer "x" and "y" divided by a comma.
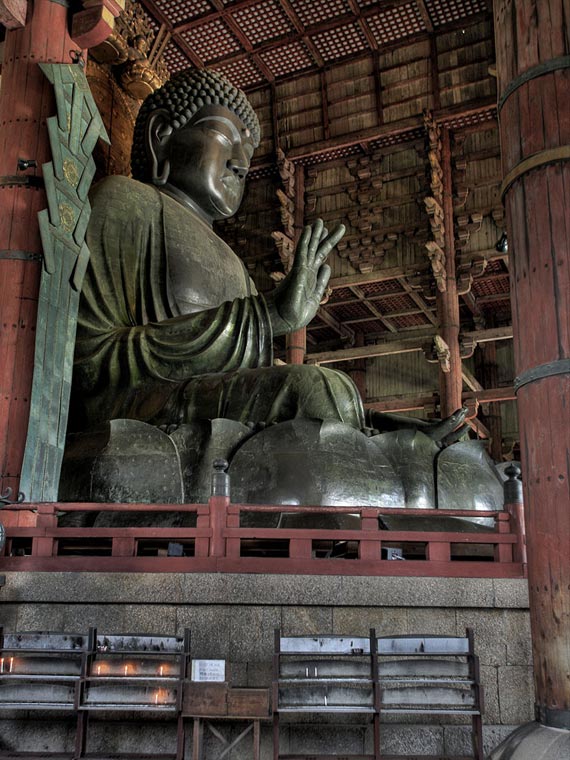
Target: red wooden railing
{"x": 220, "y": 542}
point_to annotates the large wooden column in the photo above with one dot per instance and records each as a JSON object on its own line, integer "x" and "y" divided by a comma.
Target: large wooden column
{"x": 296, "y": 342}
{"x": 532, "y": 43}
{"x": 26, "y": 101}
{"x": 450, "y": 383}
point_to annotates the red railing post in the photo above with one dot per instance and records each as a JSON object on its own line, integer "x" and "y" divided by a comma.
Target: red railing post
{"x": 369, "y": 548}
{"x": 300, "y": 548}
{"x": 233, "y": 545}
{"x": 202, "y": 543}
{"x": 503, "y": 552}
{"x": 438, "y": 551}
{"x": 123, "y": 546}
{"x": 514, "y": 506}
{"x": 43, "y": 546}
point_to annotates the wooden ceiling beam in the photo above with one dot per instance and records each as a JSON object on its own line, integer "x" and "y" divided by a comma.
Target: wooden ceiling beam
{"x": 400, "y": 345}
{"x": 470, "y": 380}
{"x": 493, "y": 298}
{"x": 380, "y": 275}
{"x": 472, "y": 304}
{"x": 390, "y": 130}
{"x": 479, "y": 427}
{"x": 410, "y": 402}
{"x": 424, "y": 13}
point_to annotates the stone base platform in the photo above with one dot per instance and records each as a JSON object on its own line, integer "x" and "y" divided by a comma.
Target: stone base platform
{"x": 232, "y": 617}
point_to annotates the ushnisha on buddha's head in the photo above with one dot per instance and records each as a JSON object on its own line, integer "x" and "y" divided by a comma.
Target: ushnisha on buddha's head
{"x": 194, "y": 139}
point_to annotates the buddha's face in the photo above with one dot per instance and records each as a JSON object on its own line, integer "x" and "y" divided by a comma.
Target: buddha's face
{"x": 209, "y": 159}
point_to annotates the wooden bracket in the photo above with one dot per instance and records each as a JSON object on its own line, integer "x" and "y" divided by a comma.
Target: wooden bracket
{"x": 13, "y": 13}
{"x": 95, "y": 23}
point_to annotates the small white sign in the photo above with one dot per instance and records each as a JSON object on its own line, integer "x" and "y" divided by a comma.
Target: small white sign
{"x": 209, "y": 670}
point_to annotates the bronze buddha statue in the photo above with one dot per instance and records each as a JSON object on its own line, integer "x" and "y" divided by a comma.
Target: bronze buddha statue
{"x": 172, "y": 332}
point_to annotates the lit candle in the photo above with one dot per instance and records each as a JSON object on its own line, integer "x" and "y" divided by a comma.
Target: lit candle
{"x": 1, "y": 664}
{"x": 11, "y": 664}
{"x": 156, "y": 698}
{"x": 98, "y": 670}
{"x": 126, "y": 669}
{"x": 161, "y": 671}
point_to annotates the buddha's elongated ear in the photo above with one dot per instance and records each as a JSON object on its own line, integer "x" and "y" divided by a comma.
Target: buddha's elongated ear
{"x": 157, "y": 137}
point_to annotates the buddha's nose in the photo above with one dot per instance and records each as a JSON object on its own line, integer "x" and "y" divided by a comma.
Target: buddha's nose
{"x": 238, "y": 166}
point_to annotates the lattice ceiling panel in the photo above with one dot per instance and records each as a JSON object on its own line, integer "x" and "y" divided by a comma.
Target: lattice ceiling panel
{"x": 177, "y": 12}
{"x": 322, "y": 334}
{"x": 500, "y": 310}
{"x": 379, "y": 288}
{"x": 263, "y": 21}
{"x": 395, "y": 303}
{"x": 396, "y": 23}
{"x": 445, "y": 11}
{"x": 495, "y": 286}
{"x": 238, "y": 29}
{"x": 287, "y": 58}
{"x": 211, "y": 40}
{"x": 311, "y": 12}
{"x": 174, "y": 58}
{"x": 346, "y": 311}
{"x": 410, "y": 320}
{"x": 341, "y": 294}
{"x": 372, "y": 327}
{"x": 332, "y": 155}
{"x": 242, "y": 73}
{"x": 341, "y": 42}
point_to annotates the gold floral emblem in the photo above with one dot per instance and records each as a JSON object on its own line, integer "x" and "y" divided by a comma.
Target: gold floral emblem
{"x": 67, "y": 217}
{"x": 70, "y": 172}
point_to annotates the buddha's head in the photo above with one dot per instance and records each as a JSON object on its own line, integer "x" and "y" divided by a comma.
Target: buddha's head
{"x": 195, "y": 137}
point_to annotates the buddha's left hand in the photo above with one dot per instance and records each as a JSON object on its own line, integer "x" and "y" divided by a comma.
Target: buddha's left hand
{"x": 295, "y": 301}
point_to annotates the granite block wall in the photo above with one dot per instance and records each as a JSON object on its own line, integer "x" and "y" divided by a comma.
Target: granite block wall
{"x": 232, "y": 617}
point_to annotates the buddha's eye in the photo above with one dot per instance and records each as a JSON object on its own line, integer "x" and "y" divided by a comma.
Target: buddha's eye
{"x": 221, "y": 134}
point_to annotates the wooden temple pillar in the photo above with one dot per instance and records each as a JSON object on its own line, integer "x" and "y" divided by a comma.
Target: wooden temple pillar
{"x": 357, "y": 369}
{"x": 296, "y": 342}
{"x": 532, "y": 42}
{"x": 26, "y": 100}
{"x": 490, "y": 376}
{"x": 451, "y": 381}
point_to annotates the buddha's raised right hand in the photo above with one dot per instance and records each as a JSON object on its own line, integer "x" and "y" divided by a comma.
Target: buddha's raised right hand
{"x": 295, "y": 301}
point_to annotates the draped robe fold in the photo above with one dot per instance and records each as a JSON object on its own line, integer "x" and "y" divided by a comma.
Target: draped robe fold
{"x": 171, "y": 328}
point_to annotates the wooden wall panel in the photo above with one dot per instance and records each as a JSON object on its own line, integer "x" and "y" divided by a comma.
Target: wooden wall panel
{"x": 118, "y": 112}
{"x": 463, "y": 64}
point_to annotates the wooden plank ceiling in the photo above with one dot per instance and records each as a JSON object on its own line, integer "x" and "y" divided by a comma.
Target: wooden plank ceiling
{"x": 341, "y": 87}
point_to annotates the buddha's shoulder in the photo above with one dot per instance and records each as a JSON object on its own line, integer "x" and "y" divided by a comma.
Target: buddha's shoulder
{"x": 123, "y": 194}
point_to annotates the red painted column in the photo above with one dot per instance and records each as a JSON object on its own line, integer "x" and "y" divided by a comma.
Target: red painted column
{"x": 450, "y": 383}
{"x": 296, "y": 342}
{"x": 357, "y": 369}
{"x": 26, "y": 100}
{"x": 534, "y": 116}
